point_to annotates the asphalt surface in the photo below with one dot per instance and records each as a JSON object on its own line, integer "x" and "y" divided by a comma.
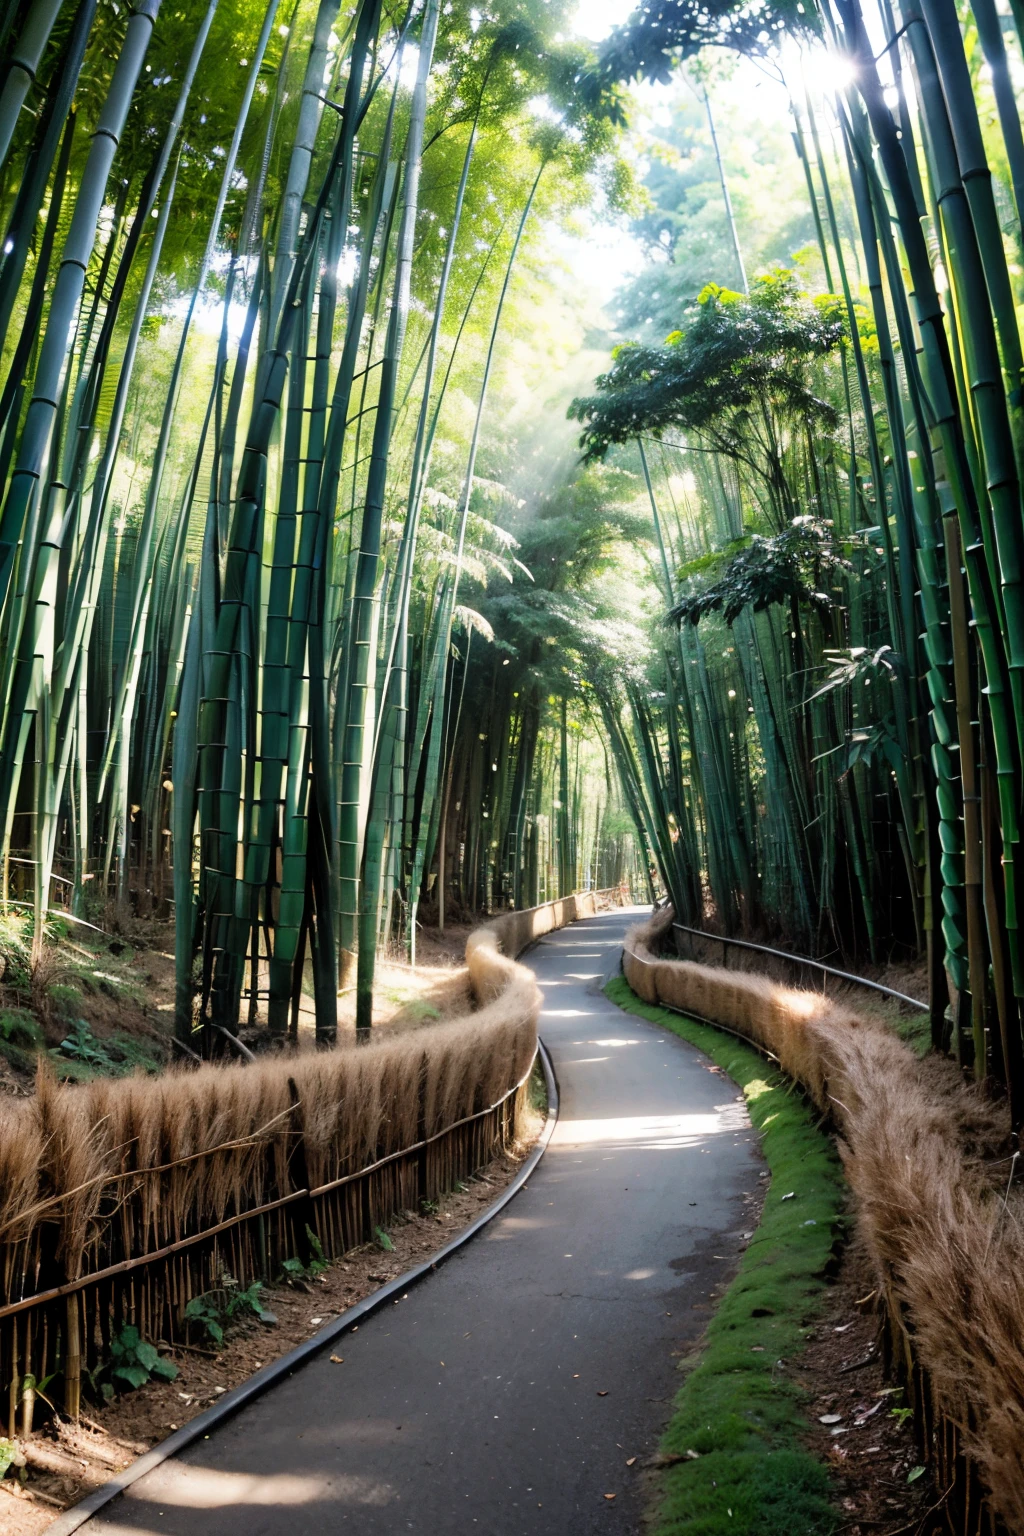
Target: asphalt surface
{"x": 509, "y": 1391}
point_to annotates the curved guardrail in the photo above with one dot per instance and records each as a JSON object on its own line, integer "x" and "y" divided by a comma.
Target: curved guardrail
{"x": 804, "y": 960}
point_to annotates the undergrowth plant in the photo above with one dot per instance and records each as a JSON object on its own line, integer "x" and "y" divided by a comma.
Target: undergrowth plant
{"x": 295, "y": 1270}
{"x": 229, "y": 1303}
{"x": 133, "y": 1362}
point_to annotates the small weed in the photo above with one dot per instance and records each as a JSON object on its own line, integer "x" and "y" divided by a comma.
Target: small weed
{"x": 215, "y": 1310}
{"x": 429, "y": 1207}
{"x": 537, "y": 1089}
{"x": 133, "y": 1362}
{"x": 81, "y": 1044}
{"x": 80, "y": 1055}
{"x": 383, "y": 1240}
{"x": 11, "y": 1455}
{"x": 295, "y": 1269}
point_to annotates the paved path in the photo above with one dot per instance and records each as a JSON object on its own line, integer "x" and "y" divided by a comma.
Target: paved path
{"x": 507, "y": 1393}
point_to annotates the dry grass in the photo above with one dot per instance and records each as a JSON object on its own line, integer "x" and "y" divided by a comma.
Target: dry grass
{"x": 122, "y": 1167}
{"x": 927, "y": 1160}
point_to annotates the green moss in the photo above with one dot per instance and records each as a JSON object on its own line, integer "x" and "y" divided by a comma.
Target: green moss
{"x": 739, "y": 1410}
{"x": 915, "y": 1030}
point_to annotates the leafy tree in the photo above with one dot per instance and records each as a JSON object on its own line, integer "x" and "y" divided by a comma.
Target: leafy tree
{"x": 786, "y": 567}
{"x": 738, "y": 378}
{"x": 659, "y": 33}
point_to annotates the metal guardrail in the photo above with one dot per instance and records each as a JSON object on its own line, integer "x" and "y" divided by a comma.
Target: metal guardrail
{"x": 817, "y": 965}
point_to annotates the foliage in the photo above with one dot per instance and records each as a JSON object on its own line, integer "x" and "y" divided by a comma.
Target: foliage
{"x": 20, "y": 1027}
{"x": 215, "y": 1310}
{"x": 11, "y": 1455}
{"x": 737, "y": 376}
{"x": 295, "y": 1269}
{"x": 788, "y": 567}
{"x": 133, "y": 1363}
{"x": 659, "y": 33}
{"x": 81, "y": 1045}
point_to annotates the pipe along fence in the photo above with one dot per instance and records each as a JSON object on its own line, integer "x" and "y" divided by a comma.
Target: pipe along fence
{"x": 923, "y": 1161}
{"x": 121, "y": 1201}
{"x": 796, "y": 962}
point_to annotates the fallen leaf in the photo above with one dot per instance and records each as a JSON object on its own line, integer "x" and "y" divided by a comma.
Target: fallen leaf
{"x": 337, "y": 1359}
{"x": 790, "y": 1196}
{"x": 630, "y": 1461}
{"x": 830, "y": 1418}
{"x": 914, "y": 1474}
{"x": 314, "y": 1320}
{"x": 693, "y": 1455}
{"x": 609, "y": 1495}
{"x": 604, "y": 1393}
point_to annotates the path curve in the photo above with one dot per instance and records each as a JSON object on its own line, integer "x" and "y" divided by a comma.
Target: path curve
{"x": 506, "y": 1394}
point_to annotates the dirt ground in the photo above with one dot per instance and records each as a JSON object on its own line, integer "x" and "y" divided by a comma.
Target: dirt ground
{"x": 65, "y": 1462}
{"x": 861, "y": 1425}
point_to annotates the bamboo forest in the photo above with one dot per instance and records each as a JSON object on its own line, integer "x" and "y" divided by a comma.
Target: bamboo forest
{"x": 469, "y": 471}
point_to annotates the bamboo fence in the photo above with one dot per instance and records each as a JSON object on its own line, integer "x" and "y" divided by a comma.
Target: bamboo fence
{"x": 921, "y": 1210}
{"x": 148, "y": 1245}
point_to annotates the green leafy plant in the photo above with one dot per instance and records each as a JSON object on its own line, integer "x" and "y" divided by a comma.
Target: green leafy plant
{"x": 383, "y": 1240}
{"x": 81, "y": 1045}
{"x": 215, "y": 1310}
{"x": 295, "y": 1269}
{"x": 133, "y": 1363}
{"x": 787, "y": 567}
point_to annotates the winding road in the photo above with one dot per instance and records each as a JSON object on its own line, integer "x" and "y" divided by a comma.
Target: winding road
{"x": 510, "y": 1391}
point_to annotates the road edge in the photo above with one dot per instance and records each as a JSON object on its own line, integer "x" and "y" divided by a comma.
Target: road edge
{"x": 254, "y": 1386}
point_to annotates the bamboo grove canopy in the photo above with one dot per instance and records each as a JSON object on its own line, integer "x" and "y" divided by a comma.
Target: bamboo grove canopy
{"x": 229, "y": 568}
{"x": 291, "y": 639}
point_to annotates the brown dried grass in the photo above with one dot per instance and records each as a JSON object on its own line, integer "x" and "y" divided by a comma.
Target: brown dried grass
{"x": 926, "y": 1159}
{"x": 116, "y": 1168}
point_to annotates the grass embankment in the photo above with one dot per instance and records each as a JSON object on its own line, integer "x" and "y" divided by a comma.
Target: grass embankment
{"x": 738, "y": 1410}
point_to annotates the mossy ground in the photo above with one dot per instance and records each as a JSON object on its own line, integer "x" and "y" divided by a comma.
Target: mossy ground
{"x": 739, "y": 1409}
